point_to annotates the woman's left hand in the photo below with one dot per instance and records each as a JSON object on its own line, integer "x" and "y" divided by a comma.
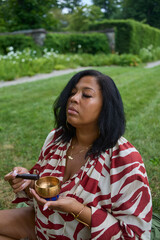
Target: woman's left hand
{"x": 64, "y": 204}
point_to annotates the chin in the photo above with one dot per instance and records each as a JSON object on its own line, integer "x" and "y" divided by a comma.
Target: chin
{"x": 73, "y": 123}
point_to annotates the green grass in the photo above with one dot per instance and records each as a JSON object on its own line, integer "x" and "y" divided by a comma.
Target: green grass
{"x": 26, "y": 118}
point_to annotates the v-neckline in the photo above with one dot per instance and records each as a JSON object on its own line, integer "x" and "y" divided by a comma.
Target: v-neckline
{"x": 65, "y": 162}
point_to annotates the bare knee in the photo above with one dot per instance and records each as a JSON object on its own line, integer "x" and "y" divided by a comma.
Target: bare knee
{"x": 6, "y": 238}
{"x": 17, "y": 223}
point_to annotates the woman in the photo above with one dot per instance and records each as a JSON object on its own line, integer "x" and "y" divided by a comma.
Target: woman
{"x": 104, "y": 187}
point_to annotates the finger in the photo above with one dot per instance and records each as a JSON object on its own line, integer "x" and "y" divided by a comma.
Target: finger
{"x": 17, "y": 169}
{"x": 15, "y": 172}
{"x": 40, "y": 200}
{"x": 10, "y": 175}
{"x": 50, "y": 204}
{"x": 20, "y": 186}
{"x": 45, "y": 207}
{"x": 18, "y": 180}
{"x": 20, "y": 170}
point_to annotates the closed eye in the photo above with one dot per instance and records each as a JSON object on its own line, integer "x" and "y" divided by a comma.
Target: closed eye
{"x": 87, "y": 96}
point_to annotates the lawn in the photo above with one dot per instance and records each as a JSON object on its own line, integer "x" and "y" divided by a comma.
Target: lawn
{"x": 26, "y": 117}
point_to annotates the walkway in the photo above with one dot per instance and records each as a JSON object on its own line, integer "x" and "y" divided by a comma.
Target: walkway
{"x": 39, "y": 77}
{"x": 152, "y": 64}
{"x": 54, "y": 74}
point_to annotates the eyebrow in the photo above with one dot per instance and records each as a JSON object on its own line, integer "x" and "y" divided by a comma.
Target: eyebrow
{"x": 86, "y": 88}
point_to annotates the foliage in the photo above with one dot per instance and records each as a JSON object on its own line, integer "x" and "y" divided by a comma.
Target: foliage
{"x": 61, "y": 42}
{"x": 82, "y": 16}
{"x": 29, "y": 62}
{"x": 27, "y": 14}
{"x": 26, "y": 63}
{"x": 61, "y": 20}
{"x": 131, "y": 36}
{"x": 143, "y": 11}
{"x": 149, "y": 54}
{"x": 109, "y": 7}
{"x": 77, "y": 43}
{"x": 70, "y": 5}
{"x": 56, "y": 15}
{"x": 26, "y": 118}
{"x": 18, "y": 42}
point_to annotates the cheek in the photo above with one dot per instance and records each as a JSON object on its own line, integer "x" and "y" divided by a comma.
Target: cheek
{"x": 93, "y": 110}
{"x": 67, "y": 104}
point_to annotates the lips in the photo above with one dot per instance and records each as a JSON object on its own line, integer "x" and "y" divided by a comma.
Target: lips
{"x": 72, "y": 110}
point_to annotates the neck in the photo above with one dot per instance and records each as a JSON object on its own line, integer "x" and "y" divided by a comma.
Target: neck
{"x": 86, "y": 137}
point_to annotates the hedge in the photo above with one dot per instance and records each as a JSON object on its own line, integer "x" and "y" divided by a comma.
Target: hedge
{"x": 130, "y": 36}
{"x": 18, "y": 42}
{"x": 77, "y": 42}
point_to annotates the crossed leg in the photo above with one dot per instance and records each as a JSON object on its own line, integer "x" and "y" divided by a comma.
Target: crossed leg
{"x": 17, "y": 223}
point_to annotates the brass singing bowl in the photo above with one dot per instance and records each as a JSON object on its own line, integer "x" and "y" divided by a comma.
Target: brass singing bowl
{"x": 47, "y": 187}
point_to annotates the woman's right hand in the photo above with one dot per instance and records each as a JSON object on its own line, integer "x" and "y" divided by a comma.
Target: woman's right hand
{"x": 18, "y": 184}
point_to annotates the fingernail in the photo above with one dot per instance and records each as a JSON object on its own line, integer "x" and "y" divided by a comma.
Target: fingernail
{"x": 45, "y": 208}
{"x": 15, "y": 173}
{"x": 23, "y": 185}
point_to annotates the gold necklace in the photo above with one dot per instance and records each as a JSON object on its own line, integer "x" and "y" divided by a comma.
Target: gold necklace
{"x": 71, "y": 153}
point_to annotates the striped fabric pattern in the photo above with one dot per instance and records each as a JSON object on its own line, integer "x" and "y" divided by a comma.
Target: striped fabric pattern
{"x": 114, "y": 185}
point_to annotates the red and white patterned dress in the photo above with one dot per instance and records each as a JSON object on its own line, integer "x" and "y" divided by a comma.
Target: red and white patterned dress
{"x": 114, "y": 185}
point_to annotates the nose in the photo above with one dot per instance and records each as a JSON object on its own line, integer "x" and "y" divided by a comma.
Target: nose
{"x": 75, "y": 97}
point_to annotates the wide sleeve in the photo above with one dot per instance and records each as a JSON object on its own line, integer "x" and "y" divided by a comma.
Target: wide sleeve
{"x": 131, "y": 207}
{"x": 38, "y": 167}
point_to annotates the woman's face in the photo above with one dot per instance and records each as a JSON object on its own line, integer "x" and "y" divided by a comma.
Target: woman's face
{"x": 85, "y": 103}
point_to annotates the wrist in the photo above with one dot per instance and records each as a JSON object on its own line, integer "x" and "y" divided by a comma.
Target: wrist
{"x": 82, "y": 215}
{"x": 79, "y": 213}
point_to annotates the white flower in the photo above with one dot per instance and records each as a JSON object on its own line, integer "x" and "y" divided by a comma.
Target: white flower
{"x": 10, "y": 48}
{"x": 45, "y": 50}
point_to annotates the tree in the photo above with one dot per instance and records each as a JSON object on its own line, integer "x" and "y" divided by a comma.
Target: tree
{"x": 27, "y": 14}
{"x": 61, "y": 18}
{"x": 70, "y": 5}
{"x": 109, "y": 7}
{"x": 82, "y": 16}
{"x": 147, "y": 11}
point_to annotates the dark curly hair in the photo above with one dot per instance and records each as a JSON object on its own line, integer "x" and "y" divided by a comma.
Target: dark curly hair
{"x": 111, "y": 120}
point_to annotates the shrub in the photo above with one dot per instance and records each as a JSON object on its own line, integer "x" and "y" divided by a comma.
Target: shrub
{"x": 149, "y": 54}
{"x": 26, "y": 63}
{"x": 130, "y": 36}
{"x": 18, "y": 42}
{"x": 77, "y": 43}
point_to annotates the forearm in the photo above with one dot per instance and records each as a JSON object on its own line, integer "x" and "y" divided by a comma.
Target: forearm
{"x": 82, "y": 213}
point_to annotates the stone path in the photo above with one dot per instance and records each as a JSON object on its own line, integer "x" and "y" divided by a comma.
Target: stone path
{"x": 152, "y": 64}
{"x": 55, "y": 73}
{"x": 39, "y": 77}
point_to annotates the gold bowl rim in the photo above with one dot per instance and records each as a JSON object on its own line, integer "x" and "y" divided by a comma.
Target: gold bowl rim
{"x": 50, "y": 191}
{"x": 41, "y": 178}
